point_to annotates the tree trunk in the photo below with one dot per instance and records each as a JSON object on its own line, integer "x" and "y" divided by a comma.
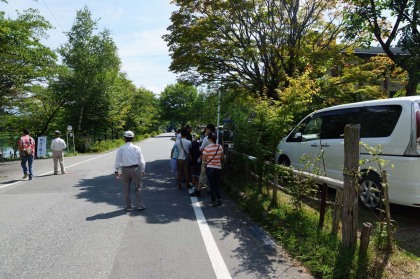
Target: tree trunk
{"x": 79, "y": 127}
{"x": 411, "y": 88}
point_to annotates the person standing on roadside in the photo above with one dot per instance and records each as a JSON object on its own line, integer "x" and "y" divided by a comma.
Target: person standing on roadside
{"x": 57, "y": 146}
{"x": 212, "y": 156}
{"x": 202, "y": 181}
{"x": 183, "y": 145}
{"x": 26, "y": 146}
{"x": 131, "y": 162}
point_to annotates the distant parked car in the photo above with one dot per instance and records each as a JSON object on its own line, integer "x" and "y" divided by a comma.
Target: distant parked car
{"x": 392, "y": 123}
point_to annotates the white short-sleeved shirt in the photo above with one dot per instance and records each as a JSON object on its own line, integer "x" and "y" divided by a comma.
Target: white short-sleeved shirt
{"x": 186, "y": 144}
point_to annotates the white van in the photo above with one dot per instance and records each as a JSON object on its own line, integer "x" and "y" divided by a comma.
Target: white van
{"x": 392, "y": 123}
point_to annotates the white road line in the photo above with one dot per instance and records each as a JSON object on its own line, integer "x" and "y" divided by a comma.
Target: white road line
{"x": 17, "y": 182}
{"x": 219, "y": 266}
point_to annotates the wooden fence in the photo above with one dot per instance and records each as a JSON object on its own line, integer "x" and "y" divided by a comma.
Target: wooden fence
{"x": 345, "y": 206}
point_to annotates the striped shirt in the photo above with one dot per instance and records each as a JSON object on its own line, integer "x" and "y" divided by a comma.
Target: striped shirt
{"x": 209, "y": 152}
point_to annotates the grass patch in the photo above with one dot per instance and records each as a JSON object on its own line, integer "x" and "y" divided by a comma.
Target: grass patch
{"x": 319, "y": 251}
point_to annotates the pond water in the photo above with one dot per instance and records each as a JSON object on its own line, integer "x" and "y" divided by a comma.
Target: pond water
{"x": 6, "y": 151}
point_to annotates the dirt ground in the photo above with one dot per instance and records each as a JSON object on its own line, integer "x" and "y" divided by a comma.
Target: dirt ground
{"x": 407, "y": 222}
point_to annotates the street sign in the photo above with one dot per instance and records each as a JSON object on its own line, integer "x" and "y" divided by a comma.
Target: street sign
{"x": 69, "y": 128}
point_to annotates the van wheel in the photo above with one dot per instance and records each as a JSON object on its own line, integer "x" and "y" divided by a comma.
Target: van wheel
{"x": 370, "y": 190}
{"x": 283, "y": 160}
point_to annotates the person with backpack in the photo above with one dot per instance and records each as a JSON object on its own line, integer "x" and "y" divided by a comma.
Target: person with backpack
{"x": 26, "y": 146}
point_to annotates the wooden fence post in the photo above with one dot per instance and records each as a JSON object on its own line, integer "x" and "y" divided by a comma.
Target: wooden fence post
{"x": 350, "y": 200}
{"x": 275, "y": 183}
{"x": 387, "y": 209}
{"x": 324, "y": 192}
{"x": 364, "y": 240}
{"x": 338, "y": 206}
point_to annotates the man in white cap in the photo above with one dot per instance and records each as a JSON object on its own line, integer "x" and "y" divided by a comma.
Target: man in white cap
{"x": 57, "y": 147}
{"x": 131, "y": 162}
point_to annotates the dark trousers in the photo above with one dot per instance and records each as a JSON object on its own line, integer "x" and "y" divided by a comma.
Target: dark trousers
{"x": 213, "y": 177}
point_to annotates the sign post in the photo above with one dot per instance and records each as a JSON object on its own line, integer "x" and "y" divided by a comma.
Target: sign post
{"x": 42, "y": 147}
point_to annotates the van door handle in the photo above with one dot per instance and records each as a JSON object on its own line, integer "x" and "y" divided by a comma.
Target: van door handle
{"x": 314, "y": 145}
{"x": 325, "y": 145}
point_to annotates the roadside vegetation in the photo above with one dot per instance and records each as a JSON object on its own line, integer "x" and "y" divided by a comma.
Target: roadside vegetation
{"x": 295, "y": 226}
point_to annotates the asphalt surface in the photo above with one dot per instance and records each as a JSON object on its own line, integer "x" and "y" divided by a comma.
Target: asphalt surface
{"x": 74, "y": 226}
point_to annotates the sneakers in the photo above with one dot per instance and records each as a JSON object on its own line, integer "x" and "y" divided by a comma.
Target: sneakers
{"x": 30, "y": 177}
{"x": 64, "y": 172}
{"x": 25, "y": 176}
{"x": 141, "y": 208}
{"x": 128, "y": 208}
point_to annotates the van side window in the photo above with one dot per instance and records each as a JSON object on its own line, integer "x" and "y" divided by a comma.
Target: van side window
{"x": 379, "y": 121}
{"x": 335, "y": 121}
{"x": 312, "y": 130}
{"x": 309, "y": 129}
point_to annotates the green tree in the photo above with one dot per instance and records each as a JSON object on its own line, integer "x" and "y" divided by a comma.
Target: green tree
{"x": 42, "y": 109}
{"x": 255, "y": 45}
{"x": 391, "y": 23}
{"x": 121, "y": 105}
{"x": 144, "y": 113}
{"x": 23, "y": 58}
{"x": 94, "y": 67}
{"x": 177, "y": 103}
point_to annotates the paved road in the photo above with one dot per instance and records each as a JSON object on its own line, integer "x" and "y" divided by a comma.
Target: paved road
{"x": 73, "y": 226}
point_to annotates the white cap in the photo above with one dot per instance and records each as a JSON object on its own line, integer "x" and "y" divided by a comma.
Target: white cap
{"x": 128, "y": 134}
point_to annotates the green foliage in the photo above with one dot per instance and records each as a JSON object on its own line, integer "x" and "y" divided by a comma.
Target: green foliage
{"x": 121, "y": 109}
{"x": 301, "y": 187}
{"x": 88, "y": 91}
{"x": 143, "y": 116}
{"x": 23, "y": 59}
{"x": 297, "y": 231}
{"x": 94, "y": 67}
{"x": 367, "y": 19}
{"x": 259, "y": 124}
{"x": 105, "y": 145}
{"x": 254, "y": 45}
{"x": 177, "y": 103}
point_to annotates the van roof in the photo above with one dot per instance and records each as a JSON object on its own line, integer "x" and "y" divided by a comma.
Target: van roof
{"x": 399, "y": 100}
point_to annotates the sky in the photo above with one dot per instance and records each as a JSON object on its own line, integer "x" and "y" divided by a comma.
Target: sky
{"x": 136, "y": 27}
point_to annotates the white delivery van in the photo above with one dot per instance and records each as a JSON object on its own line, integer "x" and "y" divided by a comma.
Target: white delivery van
{"x": 392, "y": 123}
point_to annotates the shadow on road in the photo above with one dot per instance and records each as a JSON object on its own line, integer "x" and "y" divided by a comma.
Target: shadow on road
{"x": 109, "y": 215}
{"x": 166, "y": 204}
